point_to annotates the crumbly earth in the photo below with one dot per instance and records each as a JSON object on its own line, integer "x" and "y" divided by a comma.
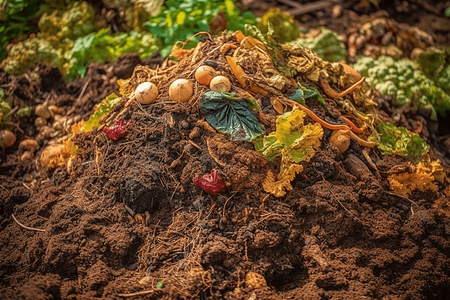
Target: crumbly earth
{"x": 339, "y": 234}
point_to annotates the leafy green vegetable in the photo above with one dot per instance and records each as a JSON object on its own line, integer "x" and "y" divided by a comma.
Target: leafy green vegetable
{"x": 25, "y": 55}
{"x": 435, "y": 64}
{"x": 72, "y": 22}
{"x": 230, "y": 116}
{"x": 295, "y": 143}
{"x": 398, "y": 140}
{"x": 404, "y": 80}
{"x": 15, "y": 16}
{"x": 103, "y": 47}
{"x": 326, "y": 44}
{"x": 299, "y": 140}
{"x": 101, "y": 109}
{"x": 180, "y": 19}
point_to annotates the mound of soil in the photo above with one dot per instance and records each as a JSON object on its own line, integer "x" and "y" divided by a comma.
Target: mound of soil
{"x": 127, "y": 221}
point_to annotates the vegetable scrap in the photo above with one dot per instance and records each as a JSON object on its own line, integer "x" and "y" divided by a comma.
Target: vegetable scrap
{"x": 294, "y": 142}
{"x": 391, "y": 139}
{"x": 229, "y": 80}
{"x": 421, "y": 177}
{"x": 230, "y": 115}
{"x": 210, "y": 183}
{"x": 118, "y": 130}
{"x": 405, "y": 80}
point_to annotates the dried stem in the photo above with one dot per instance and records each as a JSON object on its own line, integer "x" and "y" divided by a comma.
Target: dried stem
{"x": 332, "y": 93}
{"x": 26, "y": 227}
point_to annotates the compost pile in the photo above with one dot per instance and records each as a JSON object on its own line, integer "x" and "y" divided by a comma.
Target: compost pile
{"x": 277, "y": 186}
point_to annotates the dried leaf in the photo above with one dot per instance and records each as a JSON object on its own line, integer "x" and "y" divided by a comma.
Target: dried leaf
{"x": 294, "y": 142}
{"x": 421, "y": 178}
{"x": 278, "y": 188}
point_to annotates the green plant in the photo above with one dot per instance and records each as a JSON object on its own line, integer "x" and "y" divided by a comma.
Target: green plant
{"x": 15, "y": 16}
{"x": 102, "y": 46}
{"x": 391, "y": 139}
{"x": 404, "y": 80}
{"x": 230, "y": 115}
{"x": 180, "y": 19}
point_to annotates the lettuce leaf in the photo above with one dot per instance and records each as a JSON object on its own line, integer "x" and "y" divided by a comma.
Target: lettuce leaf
{"x": 101, "y": 109}
{"x": 398, "y": 140}
{"x": 294, "y": 142}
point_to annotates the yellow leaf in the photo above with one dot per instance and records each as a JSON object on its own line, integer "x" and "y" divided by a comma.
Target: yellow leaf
{"x": 420, "y": 179}
{"x": 279, "y": 188}
{"x": 181, "y": 17}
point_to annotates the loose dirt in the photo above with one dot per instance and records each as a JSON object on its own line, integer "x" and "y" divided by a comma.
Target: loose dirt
{"x": 128, "y": 217}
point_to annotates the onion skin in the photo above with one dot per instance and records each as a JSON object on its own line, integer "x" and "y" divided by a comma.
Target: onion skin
{"x": 181, "y": 90}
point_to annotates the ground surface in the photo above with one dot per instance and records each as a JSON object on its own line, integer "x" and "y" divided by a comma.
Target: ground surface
{"x": 340, "y": 234}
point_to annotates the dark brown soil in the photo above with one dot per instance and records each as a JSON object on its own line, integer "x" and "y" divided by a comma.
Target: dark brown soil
{"x": 339, "y": 234}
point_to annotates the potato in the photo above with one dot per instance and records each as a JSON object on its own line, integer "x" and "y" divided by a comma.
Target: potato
{"x": 146, "y": 93}
{"x": 27, "y": 155}
{"x": 50, "y": 153}
{"x": 340, "y": 139}
{"x": 39, "y": 122}
{"x": 7, "y": 138}
{"x": 204, "y": 74}
{"x": 43, "y": 111}
{"x": 29, "y": 144}
{"x": 220, "y": 84}
{"x": 181, "y": 90}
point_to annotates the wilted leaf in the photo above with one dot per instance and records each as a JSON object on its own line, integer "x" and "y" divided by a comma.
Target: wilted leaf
{"x": 420, "y": 179}
{"x": 210, "y": 183}
{"x": 279, "y": 187}
{"x": 399, "y": 141}
{"x": 230, "y": 116}
{"x": 295, "y": 143}
{"x": 101, "y": 109}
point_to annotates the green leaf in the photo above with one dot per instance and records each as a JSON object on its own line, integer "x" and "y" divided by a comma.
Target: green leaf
{"x": 399, "y": 141}
{"x": 24, "y": 112}
{"x": 269, "y": 146}
{"x": 303, "y": 93}
{"x": 292, "y": 139}
{"x": 230, "y": 116}
{"x": 101, "y": 109}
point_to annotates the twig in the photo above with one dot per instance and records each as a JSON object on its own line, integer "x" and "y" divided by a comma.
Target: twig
{"x": 26, "y": 227}
{"x": 195, "y": 145}
{"x": 402, "y": 197}
{"x": 82, "y": 91}
{"x": 142, "y": 293}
